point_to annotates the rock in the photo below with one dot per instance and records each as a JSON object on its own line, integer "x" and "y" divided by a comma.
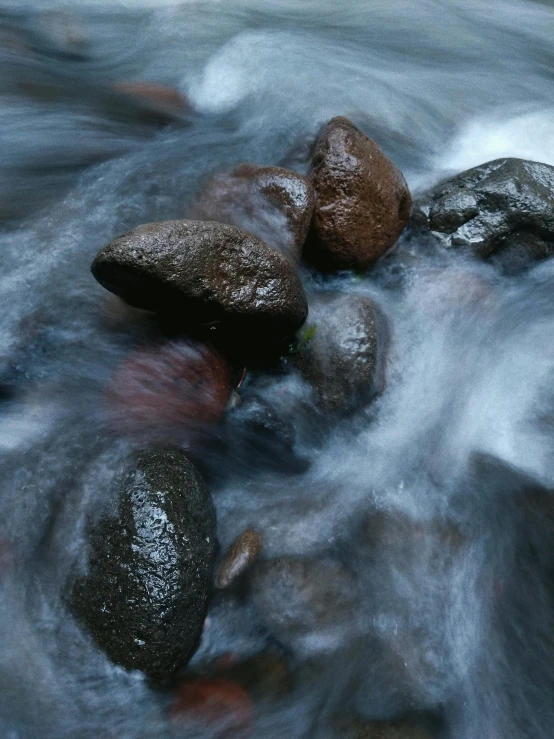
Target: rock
{"x": 160, "y": 96}
{"x": 505, "y": 206}
{"x": 343, "y": 357}
{"x": 306, "y": 603}
{"x": 273, "y": 203}
{"x": 264, "y": 675}
{"x": 362, "y": 202}
{"x": 257, "y": 434}
{"x": 210, "y": 275}
{"x": 145, "y": 594}
{"x": 216, "y": 705}
{"x": 242, "y": 554}
{"x": 176, "y": 384}
{"x": 386, "y": 730}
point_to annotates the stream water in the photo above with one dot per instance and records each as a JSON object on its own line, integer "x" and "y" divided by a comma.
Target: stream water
{"x": 435, "y": 500}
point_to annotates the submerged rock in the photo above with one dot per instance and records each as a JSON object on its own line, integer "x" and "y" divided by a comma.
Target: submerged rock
{"x": 386, "y": 730}
{"x": 218, "y": 706}
{"x": 145, "y": 594}
{"x": 256, "y": 434}
{"x": 343, "y": 357}
{"x": 172, "y": 385}
{"x": 160, "y": 96}
{"x": 241, "y": 555}
{"x": 304, "y": 602}
{"x": 504, "y": 207}
{"x": 273, "y": 203}
{"x": 207, "y": 274}
{"x": 362, "y": 201}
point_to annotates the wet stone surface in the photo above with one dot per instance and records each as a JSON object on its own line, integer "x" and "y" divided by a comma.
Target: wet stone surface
{"x": 503, "y": 208}
{"x": 145, "y": 594}
{"x": 362, "y": 201}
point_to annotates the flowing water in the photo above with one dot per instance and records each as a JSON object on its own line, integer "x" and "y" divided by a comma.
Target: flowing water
{"x": 434, "y": 503}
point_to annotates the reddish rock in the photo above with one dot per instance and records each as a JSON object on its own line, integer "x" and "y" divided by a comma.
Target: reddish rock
{"x": 386, "y": 730}
{"x": 174, "y": 384}
{"x": 362, "y": 199}
{"x": 242, "y": 553}
{"x": 273, "y": 203}
{"x": 218, "y": 705}
{"x": 158, "y": 95}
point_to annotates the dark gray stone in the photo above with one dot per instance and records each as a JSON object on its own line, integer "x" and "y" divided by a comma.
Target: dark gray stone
{"x": 504, "y": 207}
{"x": 206, "y": 274}
{"x": 145, "y": 595}
{"x": 343, "y": 358}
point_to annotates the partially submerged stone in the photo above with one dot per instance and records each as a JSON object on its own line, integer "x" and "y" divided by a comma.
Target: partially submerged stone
{"x": 503, "y": 208}
{"x": 242, "y": 553}
{"x": 206, "y": 275}
{"x": 145, "y": 594}
{"x": 362, "y": 201}
{"x": 273, "y": 203}
{"x": 342, "y": 356}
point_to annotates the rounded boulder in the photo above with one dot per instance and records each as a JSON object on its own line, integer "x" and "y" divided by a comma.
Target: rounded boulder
{"x": 145, "y": 594}
{"x": 362, "y": 201}
{"x": 205, "y": 275}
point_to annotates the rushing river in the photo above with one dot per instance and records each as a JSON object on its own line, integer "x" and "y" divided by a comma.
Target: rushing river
{"x": 449, "y": 607}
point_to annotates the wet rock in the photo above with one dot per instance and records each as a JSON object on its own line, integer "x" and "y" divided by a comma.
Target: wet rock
{"x": 304, "y": 602}
{"x": 210, "y": 275}
{"x": 342, "y": 355}
{"x": 242, "y": 554}
{"x": 273, "y": 203}
{"x": 264, "y": 675}
{"x": 145, "y": 594}
{"x": 219, "y": 706}
{"x": 386, "y": 730}
{"x": 159, "y": 96}
{"x": 257, "y": 434}
{"x": 177, "y": 384}
{"x": 362, "y": 200}
{"x": 503, "y": 208}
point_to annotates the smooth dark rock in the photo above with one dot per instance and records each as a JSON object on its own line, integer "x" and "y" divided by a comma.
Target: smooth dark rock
{"x": 343, "y": 357}
{"x": 145, "y": 595}
{"x": 206, "y": 274}
{"x": 503, "y": 208}
{"x": 273, "y": 203}
{"x": 242, "y": 553}
{"x": 362, "y": 201}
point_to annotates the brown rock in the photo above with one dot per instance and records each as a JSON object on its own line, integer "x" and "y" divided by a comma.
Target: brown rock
{"x": 386, "y": 730}
{"x": 160, "y": 96}
{"x": 243, "y": 552}
{"x": 343, "y": 357}
{"x": 206, "y": 276}
{"x": 273, "y": 203}
{"x": 362, "y": 200}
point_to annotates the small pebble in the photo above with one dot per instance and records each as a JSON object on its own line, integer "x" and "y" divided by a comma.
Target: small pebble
{"x": 242, "y": 554}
